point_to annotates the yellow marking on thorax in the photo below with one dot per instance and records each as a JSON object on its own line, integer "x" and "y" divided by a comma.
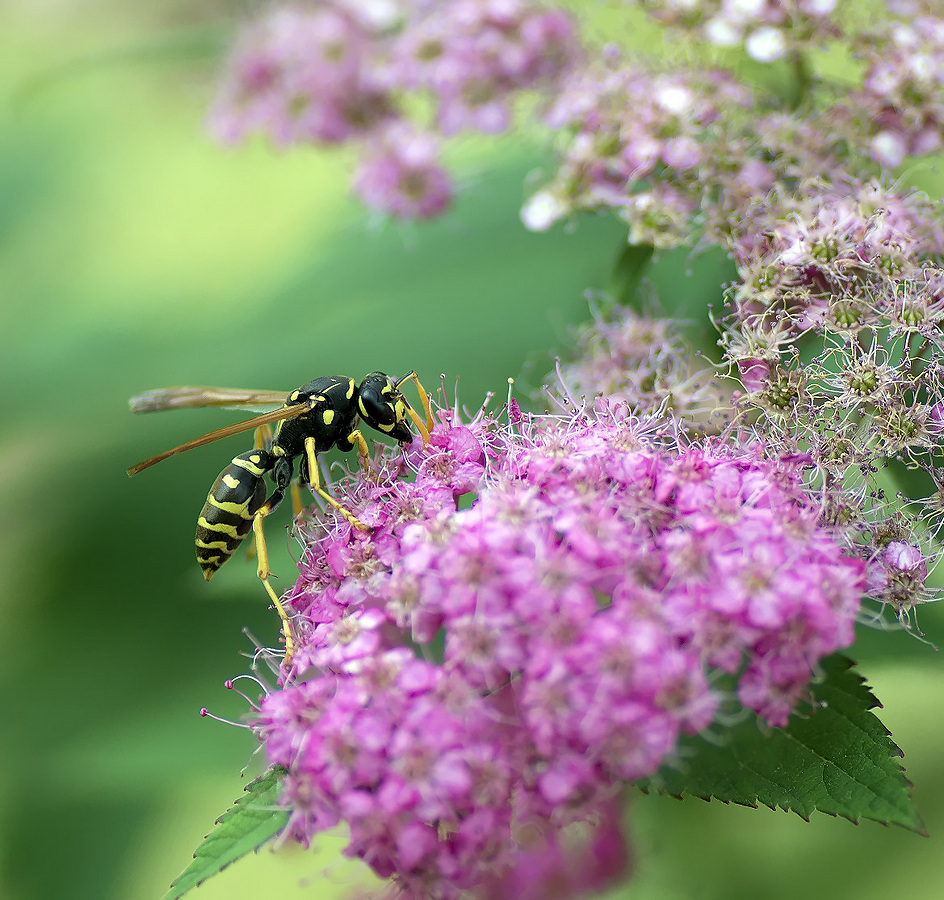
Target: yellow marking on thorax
{"x": 327, "y": 416}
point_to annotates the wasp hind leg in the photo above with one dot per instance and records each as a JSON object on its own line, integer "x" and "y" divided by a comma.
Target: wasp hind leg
{"x": 262, "y": 440}
{"x": 314, "y": 481}
{"x": 262, "y": 569}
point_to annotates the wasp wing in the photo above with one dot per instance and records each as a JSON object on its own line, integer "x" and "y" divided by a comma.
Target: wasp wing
{"x": 189, "y": 397}
{"x": 276, "y": 415}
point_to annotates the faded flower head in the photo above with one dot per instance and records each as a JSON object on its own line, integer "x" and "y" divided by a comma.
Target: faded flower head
{"x": 641, "y": 362}
{"x": 583, "y": 598}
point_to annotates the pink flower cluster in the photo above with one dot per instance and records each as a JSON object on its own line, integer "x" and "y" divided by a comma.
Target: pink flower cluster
{"x": 530, "y": 622}
{"x": 645, "y": 145}
{"x": 330, "y": 71}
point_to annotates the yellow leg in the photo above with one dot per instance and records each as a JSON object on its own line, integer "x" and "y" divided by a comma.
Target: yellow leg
{"x": 420, "y": 427}
{"x": 262, "y": 571}
{"x": 297, "y": 506}
{"x": 262, "y": 437}
{"x": 363, "y": 451}
{"x": 424, "y": 400}
{"x": 314, "y": 481}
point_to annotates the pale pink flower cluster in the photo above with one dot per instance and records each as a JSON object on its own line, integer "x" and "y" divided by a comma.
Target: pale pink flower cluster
{"x": 332, "y": 71}
{"x": 903, "y": 88}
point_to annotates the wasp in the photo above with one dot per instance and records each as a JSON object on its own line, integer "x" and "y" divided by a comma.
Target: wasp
{"x": 319, "y": 415}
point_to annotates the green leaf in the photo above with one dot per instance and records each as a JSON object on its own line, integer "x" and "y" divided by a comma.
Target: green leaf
{"x": 628, "y": 270}
{"x": 834, "y": 756}
{"x": 242, "y": 829}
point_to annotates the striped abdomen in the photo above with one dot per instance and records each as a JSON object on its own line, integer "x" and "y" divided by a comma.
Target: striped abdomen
{"x": 230, "y": 506}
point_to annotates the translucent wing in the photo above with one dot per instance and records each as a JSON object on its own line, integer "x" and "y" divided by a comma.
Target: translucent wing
{"x": 276, "y": 415}
{"x": 188, "y": 397}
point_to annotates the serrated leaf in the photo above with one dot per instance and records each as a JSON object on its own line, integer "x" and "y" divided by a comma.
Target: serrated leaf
{"x": 245, "y": 827}
{"x": 834, "y": 756}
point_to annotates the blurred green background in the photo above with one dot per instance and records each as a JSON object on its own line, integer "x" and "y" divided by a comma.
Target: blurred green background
{"x": 136, "y": 253}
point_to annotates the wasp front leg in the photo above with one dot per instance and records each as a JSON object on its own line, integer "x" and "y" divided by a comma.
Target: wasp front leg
{"x": 363, "y": 451}
{"x": 314, "y": 482}
{"x": 283, "y": 477}
{"x": 423, "y": 428}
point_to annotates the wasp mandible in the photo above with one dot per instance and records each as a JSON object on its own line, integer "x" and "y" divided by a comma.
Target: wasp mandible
{"x": 310, "y": 420}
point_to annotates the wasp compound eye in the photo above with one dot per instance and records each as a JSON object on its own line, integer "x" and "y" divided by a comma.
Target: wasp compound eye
{"x": 377, "y": 409}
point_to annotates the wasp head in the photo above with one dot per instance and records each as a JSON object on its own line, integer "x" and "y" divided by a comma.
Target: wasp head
{"x": 382, "y": 405}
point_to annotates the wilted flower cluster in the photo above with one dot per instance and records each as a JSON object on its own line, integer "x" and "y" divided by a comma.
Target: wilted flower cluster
{"x": 532, "y": 620}
{"x": 834, "y": 329}
{"x": 643, "y": 363}
{"x": 836, "y": 256}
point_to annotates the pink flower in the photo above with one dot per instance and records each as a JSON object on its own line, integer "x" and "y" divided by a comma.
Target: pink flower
{"x": 403, "y": 176}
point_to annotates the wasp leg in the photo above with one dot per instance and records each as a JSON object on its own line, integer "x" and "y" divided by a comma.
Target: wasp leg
{"x": 363, "y": 451}
{"x": 424, "y": 399}
{"x": 424, "y": 430}
{"x": 420, "y": 427}
{"x": 262, "y": 570}
{"x": 314, "y": 482}
{"x": 297, "y": 505}
{"x": 262, "y": 438}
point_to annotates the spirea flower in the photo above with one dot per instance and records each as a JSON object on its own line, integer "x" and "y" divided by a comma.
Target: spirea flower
{"x": 641, "y": 143}
{"x": 897, "y": 576}
{"x": 403, "y": 177}
{"x": 532, "y": 620}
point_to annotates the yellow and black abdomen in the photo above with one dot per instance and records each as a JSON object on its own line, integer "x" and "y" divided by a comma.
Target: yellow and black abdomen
{"x": 230, "y": 507}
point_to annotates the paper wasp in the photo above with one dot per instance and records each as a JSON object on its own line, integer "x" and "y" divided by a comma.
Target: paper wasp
{"x": 310, "y": 420}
